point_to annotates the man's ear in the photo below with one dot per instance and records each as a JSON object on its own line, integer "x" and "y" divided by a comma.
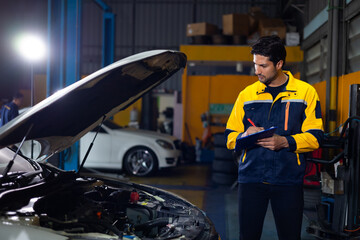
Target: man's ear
{"x": 279, "y": 65}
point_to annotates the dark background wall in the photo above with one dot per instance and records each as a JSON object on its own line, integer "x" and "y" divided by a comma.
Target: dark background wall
{"x": 140, "y": 25}
{"x": 18, "y": 16}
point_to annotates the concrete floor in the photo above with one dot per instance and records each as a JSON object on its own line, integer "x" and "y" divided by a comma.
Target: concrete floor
{"x": 193, "y": 182}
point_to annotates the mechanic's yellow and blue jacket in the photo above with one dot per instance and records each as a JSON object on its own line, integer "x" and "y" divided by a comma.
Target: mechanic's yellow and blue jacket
{"x": 295, "y": 112}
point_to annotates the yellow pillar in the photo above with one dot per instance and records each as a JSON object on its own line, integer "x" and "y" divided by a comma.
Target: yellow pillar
{"x": 333, "y": 102}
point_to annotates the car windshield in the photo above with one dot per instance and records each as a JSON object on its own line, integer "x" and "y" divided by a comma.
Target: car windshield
{"x": 111, "y": 124}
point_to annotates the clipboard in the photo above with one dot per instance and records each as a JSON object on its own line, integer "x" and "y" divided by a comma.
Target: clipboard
{"x": 250, "y": 140}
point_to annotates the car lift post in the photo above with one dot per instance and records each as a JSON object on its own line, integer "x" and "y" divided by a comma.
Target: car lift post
{"x": 63, "y": 66}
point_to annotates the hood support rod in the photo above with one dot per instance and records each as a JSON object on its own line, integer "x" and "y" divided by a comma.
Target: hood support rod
{"x": 91, "y": 145}
{"x": 8, "y": 167}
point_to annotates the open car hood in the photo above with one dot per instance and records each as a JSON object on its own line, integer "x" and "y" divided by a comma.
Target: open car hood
{"x": 63, "y": 118}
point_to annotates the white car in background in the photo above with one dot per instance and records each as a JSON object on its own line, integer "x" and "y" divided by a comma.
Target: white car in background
{"x": 138, "y": 152}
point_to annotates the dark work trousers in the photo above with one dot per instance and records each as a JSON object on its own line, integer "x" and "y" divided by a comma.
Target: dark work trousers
{"x": 287, "y": 203}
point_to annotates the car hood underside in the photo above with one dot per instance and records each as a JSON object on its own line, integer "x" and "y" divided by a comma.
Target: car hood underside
{"x": 64, "y": 117}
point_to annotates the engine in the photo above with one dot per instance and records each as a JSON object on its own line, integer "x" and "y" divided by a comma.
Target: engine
{"x": 93, "y": 207}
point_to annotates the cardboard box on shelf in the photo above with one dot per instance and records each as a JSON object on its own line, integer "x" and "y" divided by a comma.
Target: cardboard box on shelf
{"x": 235, "y": 24}
{"x": 201, "y": 29}
{"x": 255, "y": 14}
{"x": 255, "y": 10}
{"x": 272, "y": 26}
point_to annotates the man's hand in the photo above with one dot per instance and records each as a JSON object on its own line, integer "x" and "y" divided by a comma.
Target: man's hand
{"x": 274, "y": 143}
{"x": 252, "y": 130}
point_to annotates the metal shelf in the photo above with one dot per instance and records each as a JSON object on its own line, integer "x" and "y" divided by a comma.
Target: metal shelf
{"x": 232, "y": 53}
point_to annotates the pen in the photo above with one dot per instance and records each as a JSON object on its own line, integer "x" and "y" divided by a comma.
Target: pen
{"x": 252, "y": 123}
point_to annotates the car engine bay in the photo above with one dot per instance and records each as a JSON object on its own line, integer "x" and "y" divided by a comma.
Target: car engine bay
{"x": 83, "y": 207}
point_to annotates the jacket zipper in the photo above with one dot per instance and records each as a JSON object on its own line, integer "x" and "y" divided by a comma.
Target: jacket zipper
{"x": 276, "y": 99}
{"x": 271, "y": 109}
{"x": 286, "y": 116}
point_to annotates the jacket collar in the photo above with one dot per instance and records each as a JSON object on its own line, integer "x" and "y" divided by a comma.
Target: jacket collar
{"x": 291, "y": 86}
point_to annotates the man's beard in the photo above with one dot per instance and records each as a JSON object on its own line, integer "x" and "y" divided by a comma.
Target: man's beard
{"x": 268, "y": 80}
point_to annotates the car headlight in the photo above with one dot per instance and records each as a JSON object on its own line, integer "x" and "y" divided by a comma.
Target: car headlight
{"x": 165, "y": 144}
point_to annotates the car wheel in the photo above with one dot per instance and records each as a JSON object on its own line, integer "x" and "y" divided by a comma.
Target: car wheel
{"x": 140, "y": 161}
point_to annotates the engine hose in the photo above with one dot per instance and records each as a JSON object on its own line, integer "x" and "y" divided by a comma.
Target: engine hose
{"x": 152, "y": 223}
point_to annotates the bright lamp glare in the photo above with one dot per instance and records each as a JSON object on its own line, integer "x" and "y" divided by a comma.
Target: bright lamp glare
{"x": 31, "y": 47}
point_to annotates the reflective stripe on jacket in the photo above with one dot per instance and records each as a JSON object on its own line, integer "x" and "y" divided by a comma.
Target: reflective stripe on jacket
{"x": 297, "y": 115}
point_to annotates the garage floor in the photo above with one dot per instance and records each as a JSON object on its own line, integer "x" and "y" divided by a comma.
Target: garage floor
{"x": 193, "y": 182}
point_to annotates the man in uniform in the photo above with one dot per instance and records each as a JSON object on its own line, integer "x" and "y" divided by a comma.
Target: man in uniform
{"x": 11, "y": 110}
{"x": 273, "y": 170}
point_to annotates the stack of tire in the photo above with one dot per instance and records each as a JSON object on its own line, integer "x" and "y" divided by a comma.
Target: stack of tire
{"x": 224, "y": 167}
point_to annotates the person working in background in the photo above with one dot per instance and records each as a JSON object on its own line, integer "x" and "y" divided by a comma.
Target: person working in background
{"x": 11, "y": 110}
{"x": 273, "y": 170}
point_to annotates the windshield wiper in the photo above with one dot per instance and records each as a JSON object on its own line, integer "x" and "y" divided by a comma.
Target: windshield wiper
{"x": 91, "y": 145}
{"x": 9, "y": 165}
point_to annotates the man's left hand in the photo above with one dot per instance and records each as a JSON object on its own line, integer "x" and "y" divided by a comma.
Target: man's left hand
{"x": 274, "y": 143}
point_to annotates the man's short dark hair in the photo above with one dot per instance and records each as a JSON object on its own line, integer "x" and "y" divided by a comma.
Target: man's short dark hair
{"x": 271, "y": 47}
{"x": 18, "y": 95}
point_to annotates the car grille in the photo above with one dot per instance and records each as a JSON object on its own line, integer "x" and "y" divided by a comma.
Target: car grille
{"x": 177, "y": 144}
